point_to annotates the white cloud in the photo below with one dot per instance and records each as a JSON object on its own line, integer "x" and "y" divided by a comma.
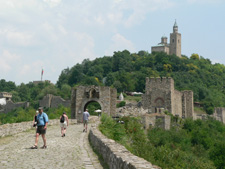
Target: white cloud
{"x": 57, "y": 34}
{"x": 52, "y": 3}
{"x": 19, "y": 38}
{"x": 8, "y": 61}
{"x": 84, "y": 45}
{"x": 134, "y": 12}
{"x": 119, "y": 43}
{"x": 62, "y": 29}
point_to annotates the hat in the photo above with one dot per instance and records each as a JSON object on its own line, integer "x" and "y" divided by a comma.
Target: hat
{"x": 64, "y": 112}
{"x": 40, "y": 108}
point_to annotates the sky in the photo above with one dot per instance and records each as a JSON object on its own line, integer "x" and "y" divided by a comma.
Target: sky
{"x": 57, "y": 34}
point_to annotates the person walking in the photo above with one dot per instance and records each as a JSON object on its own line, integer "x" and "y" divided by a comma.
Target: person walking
{"x": 64, "y": 123}
{"x": 35, "y": 120}
{"x": 42, "y": 123}
{"x": 85, "y": 119}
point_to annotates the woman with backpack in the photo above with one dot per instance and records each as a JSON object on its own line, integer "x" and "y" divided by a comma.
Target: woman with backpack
{"x": 64, "y": 122}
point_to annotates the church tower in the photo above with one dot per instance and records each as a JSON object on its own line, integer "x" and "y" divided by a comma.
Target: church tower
{"x": 175, "y": 41}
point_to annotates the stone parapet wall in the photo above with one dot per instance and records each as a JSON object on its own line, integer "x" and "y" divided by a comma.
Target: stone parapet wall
{"x": 14, "y": 128}
{"x": 116, "y": 155}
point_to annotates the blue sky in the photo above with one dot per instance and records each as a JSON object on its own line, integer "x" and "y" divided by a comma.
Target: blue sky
{"x": 56, "y": 34}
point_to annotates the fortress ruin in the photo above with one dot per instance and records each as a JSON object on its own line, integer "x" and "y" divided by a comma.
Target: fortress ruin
{"x": 83, "y": 95}
{"x": 161, "y": 96}
{"x": 10, "y": 105}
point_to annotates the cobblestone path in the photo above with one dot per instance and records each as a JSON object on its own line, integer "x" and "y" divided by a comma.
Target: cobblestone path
{"x": 72, "y": 151}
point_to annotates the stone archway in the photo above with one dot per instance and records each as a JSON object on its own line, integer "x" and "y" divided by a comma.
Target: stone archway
{"x": 82, "y": 95}
{"x": 159, "y": 102}
{"x": 159, "y": 105}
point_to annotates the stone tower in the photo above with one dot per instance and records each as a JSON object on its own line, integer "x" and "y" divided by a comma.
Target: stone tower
{"x": 160, "y": 95}
{"x": 175, "y": 41}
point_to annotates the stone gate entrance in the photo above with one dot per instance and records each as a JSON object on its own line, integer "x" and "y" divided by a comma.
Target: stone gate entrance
{"x": 83, "y": 95}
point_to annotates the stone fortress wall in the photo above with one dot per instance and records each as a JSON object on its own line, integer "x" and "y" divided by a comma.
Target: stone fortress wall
{"x": 219, "y": 114}
{"x": 10, "y": 105}
{"x": 51, "y": 101}
{"x": 116, "y": 155}
{"x": 160, "y": 96}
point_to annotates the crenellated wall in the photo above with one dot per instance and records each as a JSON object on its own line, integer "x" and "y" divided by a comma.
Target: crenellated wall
{"x": 116, "y": 155}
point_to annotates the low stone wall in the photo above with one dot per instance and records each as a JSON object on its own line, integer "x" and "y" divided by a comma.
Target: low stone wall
{"x": 116, "y": 155}
{"x": 14, "y": 128}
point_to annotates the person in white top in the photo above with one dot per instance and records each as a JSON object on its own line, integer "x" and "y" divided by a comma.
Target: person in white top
{"x": 85, "y": 119}
{"x": 64, "y": 123}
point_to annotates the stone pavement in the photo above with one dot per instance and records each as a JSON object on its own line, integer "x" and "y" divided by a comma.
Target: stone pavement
{"x": 72, "y": 151}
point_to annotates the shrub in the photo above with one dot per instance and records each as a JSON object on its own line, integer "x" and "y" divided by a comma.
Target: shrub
{"x": 111, "y": 128}
{"x": 197, "y": 144}
{"x": 121, "y": 104}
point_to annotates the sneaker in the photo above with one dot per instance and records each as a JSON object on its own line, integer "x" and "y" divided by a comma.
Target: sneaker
{"x": 34, "y": 147}
{"x": 44, "y": 147}
{"x": 84, "y": 130}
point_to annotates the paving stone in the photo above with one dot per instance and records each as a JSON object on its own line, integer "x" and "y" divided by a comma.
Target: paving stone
{"x": 71, "y": 151}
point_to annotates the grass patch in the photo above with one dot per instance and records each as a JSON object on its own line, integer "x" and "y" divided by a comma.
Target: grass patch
{"x": 133, "y": 98}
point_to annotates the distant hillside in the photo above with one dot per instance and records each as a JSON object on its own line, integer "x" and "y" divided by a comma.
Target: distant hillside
{"x": 127, "y": 72}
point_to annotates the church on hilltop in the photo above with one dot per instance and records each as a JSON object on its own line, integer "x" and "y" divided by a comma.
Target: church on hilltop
{"x": 174, "y": 47}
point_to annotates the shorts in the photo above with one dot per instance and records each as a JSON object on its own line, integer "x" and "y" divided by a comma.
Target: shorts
{"x": 41, "y": 130}
{"x": 63, "y": 125}
{"x": 85, "y": 121}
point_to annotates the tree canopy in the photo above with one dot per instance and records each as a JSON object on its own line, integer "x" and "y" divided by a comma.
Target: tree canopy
{"x": 127, "y": 72}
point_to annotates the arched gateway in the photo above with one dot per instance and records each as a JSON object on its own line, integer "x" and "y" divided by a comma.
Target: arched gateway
{"x": 83, "y": 95}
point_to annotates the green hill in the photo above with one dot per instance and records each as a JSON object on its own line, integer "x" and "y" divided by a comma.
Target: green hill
{"x": 127, "y": 72}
